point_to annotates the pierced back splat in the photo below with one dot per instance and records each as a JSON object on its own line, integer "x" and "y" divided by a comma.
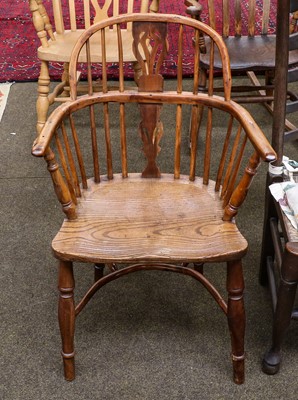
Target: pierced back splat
{"x": 150, "y": 46}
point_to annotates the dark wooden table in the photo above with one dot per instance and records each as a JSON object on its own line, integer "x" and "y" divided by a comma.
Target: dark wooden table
{"x": 280, "y": 240}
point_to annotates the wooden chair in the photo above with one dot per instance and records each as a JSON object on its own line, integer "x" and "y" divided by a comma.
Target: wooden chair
{"x": 128, "y": 217}
{"x": 250, "y": 44}
{"x": 71, "y": 18}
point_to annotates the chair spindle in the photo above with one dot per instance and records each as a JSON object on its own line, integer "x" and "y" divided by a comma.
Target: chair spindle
{"x": 78, "y": 152}
{"x": 207, "y": 157}
{"x": 238, "y": 19}
{"x": 231, "y": 162}
{"x": 94, "y": 145}
{"x": 65, "y": 168}
{"x": 123, "y": 140}
{"x": 108, "y": 140}
{"x": 71, "y": 163}
{"x": 251, "y": 17}
{"x": 224, "y": 155}
{"x": 72, "y": 15}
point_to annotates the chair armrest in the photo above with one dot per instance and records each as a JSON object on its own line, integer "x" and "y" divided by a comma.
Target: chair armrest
{"x": 194, "y": 8}
{"x": 262, "y": 150}
{"x": 42, "y": 142}
{"x": 193, "y": 3}
{"x": 41, "y": 148}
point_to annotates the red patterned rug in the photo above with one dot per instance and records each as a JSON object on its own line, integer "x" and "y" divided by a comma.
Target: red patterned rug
{"x": 18, "y": 42}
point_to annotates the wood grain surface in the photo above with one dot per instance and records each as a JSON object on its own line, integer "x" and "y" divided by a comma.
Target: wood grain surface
{"x": 137, "y": 219}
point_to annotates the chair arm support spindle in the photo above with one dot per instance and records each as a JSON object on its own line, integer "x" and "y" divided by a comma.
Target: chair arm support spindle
{"x": 60, "y": 186}
{"x": 240, "y": 192}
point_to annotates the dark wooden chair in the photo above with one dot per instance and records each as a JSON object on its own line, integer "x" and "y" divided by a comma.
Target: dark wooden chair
{"x": 127, "y": 218}
{"x": 247, "y": 33}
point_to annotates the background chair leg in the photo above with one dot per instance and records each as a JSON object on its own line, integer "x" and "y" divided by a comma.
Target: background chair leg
{"x": 66, "y": 314}
{"x": 98, "y": 271}
{"x": 42, "y": 105}
{"x": 236, "y": 317}
{"x": 65, "y": 78}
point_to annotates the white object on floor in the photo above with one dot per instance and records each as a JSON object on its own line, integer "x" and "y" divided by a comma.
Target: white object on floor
{"x": 286, "y": 193}
{"x": 4, "y": 92}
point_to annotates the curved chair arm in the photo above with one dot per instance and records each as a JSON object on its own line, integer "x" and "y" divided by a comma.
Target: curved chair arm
{"x": 42, "y": 142}
{"x": 254, "y": 133}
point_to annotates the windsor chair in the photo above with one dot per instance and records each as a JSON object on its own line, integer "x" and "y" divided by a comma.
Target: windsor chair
{"x": 123, "y": 215}
{"x": 70, "y": 19}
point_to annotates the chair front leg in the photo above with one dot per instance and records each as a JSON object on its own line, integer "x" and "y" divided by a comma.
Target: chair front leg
{"x": 66, "y": 314}
{"x": 236, "y": 317}
{"x": 197, "y": 115}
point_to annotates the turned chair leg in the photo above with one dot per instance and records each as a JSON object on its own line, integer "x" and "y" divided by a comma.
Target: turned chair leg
{"x": 281, "y": 322}
{"x": 236, "y": 317}
{"x": 283, "y": 311}
{"x": 267, "y": 243}
{"x": 66, "y": 314}
{"x": 43, "y": 103}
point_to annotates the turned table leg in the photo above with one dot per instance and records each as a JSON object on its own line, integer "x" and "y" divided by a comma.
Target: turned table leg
{"x": 284, "y": 306}
{"x": 42, "y": 105}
